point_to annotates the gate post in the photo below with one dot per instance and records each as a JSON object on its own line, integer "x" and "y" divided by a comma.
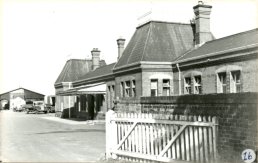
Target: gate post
{"x": 111, "y": 133}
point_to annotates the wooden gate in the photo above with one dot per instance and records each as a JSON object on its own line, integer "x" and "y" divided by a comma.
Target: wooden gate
{"x": 165, "y": 138}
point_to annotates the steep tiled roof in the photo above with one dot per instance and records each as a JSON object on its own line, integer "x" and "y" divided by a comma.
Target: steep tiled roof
{"x": 231, "y": 42}
{"x": 99, "y": 72}
{"x": 74, "y": 69}
{"x": 157, "y": 41}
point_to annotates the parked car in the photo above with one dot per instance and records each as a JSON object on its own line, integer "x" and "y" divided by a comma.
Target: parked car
{"x": 50, "y": 108}
{"x": 35, "y": 107}
{"x": 18, "y": 109}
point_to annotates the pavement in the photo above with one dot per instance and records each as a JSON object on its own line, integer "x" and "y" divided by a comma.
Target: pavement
{"x": 74, "y": 121}
{"x": 46, "y": 138}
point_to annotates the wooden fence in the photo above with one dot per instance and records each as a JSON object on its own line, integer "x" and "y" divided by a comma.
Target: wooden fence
{"x": 156, "y": 137}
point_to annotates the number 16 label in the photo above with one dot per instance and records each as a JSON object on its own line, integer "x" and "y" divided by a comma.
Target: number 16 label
{"x": 248, "y": 156}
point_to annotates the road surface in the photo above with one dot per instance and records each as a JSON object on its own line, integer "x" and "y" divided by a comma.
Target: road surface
{"x": 35, "y": 138}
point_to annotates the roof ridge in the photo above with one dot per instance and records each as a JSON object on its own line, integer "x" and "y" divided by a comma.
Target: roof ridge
{"x": 149, "y": 32}
{"x": 72, "y": 59}
{"x": 160, "y": 21}
{"x": 86, "y": 59}
{"x": 225, "y": 37}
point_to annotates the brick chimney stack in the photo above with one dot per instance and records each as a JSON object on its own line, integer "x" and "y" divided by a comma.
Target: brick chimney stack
{"x": 202, "y": 23}
{"x": 120, "y": 43}
{"x": 95, "y": 58}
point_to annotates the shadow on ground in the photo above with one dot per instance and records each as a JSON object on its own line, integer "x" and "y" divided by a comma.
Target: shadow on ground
{"x": 71, "y": 131}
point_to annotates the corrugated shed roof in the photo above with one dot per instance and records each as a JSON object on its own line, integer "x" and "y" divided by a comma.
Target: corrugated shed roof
{"x": 223, "y": 44}
{"x": 101, "y": 71}
{"x": 74, "y": 69}
{"x": 158, "y": 42}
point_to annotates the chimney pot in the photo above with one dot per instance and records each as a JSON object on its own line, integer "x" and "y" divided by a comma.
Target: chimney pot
{"x": 95, "y": 58}
{"x": 200, "y": 2}
{"x": 120, "y": 43}
{"x": 202, "y": 23}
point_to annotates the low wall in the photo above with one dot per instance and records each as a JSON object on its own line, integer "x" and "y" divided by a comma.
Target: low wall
{"x": 237, "y": 117}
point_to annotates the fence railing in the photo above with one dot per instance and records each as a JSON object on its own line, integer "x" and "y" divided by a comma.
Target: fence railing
{"x": 157, "y": 137}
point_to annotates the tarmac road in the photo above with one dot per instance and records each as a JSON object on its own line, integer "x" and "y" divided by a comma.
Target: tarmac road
{"x": 36, "y": 138}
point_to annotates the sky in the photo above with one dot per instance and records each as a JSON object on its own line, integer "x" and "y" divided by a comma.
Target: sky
{"x": 37, "y": 37}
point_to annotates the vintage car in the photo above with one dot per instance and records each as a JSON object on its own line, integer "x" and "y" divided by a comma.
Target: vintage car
{"x": 50, "y": 108}
{"x": 36, "y": 107}
{"x": 18, "y": 109}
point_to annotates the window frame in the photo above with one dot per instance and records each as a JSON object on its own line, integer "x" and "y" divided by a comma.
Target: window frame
{"x": 127, "y": 88}
{"x": 187, "y": 85}
{"x": 235, "y": 83}
{"x": 122, "y": 86}
{"x": 133, "y": 88}
{"x": 197, "y": 85}
{"x": 155, "y": 81}
{"x": 166, "y": 87}
{"x": 222, "y": 82}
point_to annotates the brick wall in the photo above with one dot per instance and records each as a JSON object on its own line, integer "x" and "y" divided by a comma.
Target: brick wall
{"x": 237, "y": 117}
{"x": 129, "y": 104}
{"x": 248, "y": 79}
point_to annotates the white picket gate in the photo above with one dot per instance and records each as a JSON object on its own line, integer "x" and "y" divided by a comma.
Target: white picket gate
{"x": 164, "y": 138}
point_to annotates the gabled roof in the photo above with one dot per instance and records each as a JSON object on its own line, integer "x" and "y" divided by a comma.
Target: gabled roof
{"x": 98, "y": 74}
{"x": 23, "y": 89}
{"x": 159, "y": 42}
{"x": 225, "y": 44}
{"x": 74, "y": 69}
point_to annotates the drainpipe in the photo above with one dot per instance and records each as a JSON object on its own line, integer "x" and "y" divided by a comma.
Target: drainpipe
{"x": 179, "y": 79}
{"x": 69, "y": 102}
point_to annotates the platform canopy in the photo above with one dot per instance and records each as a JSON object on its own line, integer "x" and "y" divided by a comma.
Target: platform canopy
{"x": 98, "y": 88}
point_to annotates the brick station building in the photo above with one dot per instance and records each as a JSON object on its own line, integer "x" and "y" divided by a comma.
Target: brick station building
{"x": 161, "y": 59}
